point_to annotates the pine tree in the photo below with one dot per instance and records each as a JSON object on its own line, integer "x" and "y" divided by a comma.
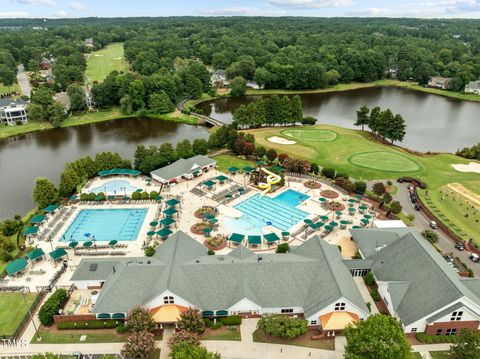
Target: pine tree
{"x": 362, "y": 117}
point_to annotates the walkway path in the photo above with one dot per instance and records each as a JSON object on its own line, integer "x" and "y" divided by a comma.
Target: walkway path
{"x": 365, "y": 294}
{"x": 163, "y": 345}
{"x": 23, "y": 81}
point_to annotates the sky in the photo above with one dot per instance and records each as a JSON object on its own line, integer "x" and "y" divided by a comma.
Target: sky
{"x": 320, "y": 8}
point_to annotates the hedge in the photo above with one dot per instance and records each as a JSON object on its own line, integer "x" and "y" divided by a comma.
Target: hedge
{"x": 51, "y": 306}
{"x": 430, "y": 339}
{"x": 89, "y": 324}
{"x": 231, "y": 320}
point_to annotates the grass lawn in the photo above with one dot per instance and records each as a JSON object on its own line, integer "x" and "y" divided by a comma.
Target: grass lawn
{"x": 440, "y": 355}
{"x": 416, "y": 356}
{"x": 363, "y": 159}
{"x": 71, "y": 337}
{"x": 10, "y": 89}
{"x": 13, "y": 310}
{"x": 31, "y": 126}
{"x": 302, "y": 341}
{"x": 100, "y": 63}
{"x": 223, "y": 333}
{"x": 226, "y": 161}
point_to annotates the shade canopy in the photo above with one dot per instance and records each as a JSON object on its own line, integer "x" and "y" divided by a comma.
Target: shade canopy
{"x": 363, "y": 208}
{"x": 103, "y": 316}
{"x": 285, "y": 233}
{"x": 319, "y": 225}
{"x": 209, "y": 183}
{"x": 151, "y": 233}
{"x": 58, "y": 253}
{"x": 358, "y": 196}
{"x": 338, "y": 213}
{"x": 73, "y": 198}
{"x": 39, "y": 218}
{"x": 207, "y": 230}
{"x": 16, "y": 266}
{"x": 119, "y": 171}
{"x": 222, "y": 178}
{"x": 164, "y": 232}
{"x": 228, "y": 195}
{"x": 51, "y": 208}
{"x": 351, "y": 209}
{"x": 254, "y": 240}
{"x": 99, "y": 198}
{"x": 248, "y": 169}
{"x": 328, "y": 228}
{"x": 73, "y": 244}
{"x": 367, "y": 216}
{"x": 213, "y": 220}
{"x": 333, "y": 224}
{"x": 260, "y": 163}
{"x": 237, "y": 238}
{"x": 173, "y": 202}
{"x": 364, "y": 220}
{"x": 356, "y": 227}
{"x": 167, "y": 221}
{"x": 233, "y": 169}
{"x": 88, "y": 244}
{"x": 351, "y": 200}
{"x": 153, "y": 223}
{"x": 323, "y": 200}
{"x": 208, "y": 215}
{"x": 307, "y": 221}
{"x": 170, "y": 211}
{"x": 30, "y": 230}
{"x": 158, "y": 198}
{"x": 344, "y": 222}
{"x": 139, "y": 190}
{"x": 241, "y": 189}
{"x": 271, "y": 237}
{"x": 337, "y": 320}
{"x": 118, "y": 316}
{"x": 111, "y": 198}
{"x": 35, "y": 254}
{"x": 113, "y": 242}
{"x": 324, "y": 218}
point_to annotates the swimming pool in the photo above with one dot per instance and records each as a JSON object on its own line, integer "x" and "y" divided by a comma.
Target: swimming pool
{"x": 106, "y": 225}
{"x": 260, "y": 211}
{"x": 114, "y": 187}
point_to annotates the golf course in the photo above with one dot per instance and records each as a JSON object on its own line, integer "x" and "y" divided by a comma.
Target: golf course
{"x": 100, "y": 63}
{"x": 451, "y": 194}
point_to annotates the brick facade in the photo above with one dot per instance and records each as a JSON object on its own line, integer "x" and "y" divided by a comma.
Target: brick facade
{"x": 459, "y": 325}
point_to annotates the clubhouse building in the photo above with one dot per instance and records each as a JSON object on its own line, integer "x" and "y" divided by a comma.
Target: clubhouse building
{"x": 13, "y": 111}
{"x": 183, "y": 169}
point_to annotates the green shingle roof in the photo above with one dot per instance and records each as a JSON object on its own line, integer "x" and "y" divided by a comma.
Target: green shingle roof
{"x": 119, "y": 171}
{"x": 58, "y": 253}
{"x": 271, "y": 237}
{"x": 51, "y": 208}
{"x": 236, "y": 237}
{"x": 30, "y": 230}
{"x": 36, "y": 253}
{"x": 16, "y": 266}
{"x": 183, "y": 167}
{"x": 39, "y": 218}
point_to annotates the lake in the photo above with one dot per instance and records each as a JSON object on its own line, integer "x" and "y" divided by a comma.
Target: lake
{"x": 434, "y": 123}
{"x": 26, "y": 157}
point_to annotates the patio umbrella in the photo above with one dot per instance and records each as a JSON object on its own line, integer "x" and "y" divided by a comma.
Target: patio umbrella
{"x": 351, "y": 209}
{"x": 153, "y": 224}
{"x": 344, "y": 222}
{"x": 51, "y": 208}
{"x": 228, "y": 195}
{"x": 148, "y": 180}
{"x": 367, "y": 216}
{"x": 88, "y": 244}
{"x": 173, "y": 202}
{"x": 126, "y": 198}
{"x": 358, "y": 196}
{"x": 362, "y": 208}
{"x": 324, "y": 218}
{"x": 207, "y": 231}
{"x": 164, "y": 232}
{"x": 285, "y": 234}
{"x": 111, "y": 198}
{"x": 209, "y": 183}
{"x": 208, "y": 215}
{"x": 73, "y": 244}
{"x": 167, "y": 221}
{"x": 312, "y": 225}
{"x": 319, "y": 225}
{"x": 113, "y": 243}
{"x": 351, "y": 200}
{"x": 260, "y": 163}
{"x": 322, "y": 200}
{"x": 158, "y": 198}
{"x": 151, "y": 233}
{"x": 307, "y": 221}
{"x": 333, "y": 224}
{"x": 139, "y": 190}
{"x": 364, "y": 220}
{"x": 338, "y": 213}
{"x": 73, "y": 198}
{"x": 170, "y": 211}
{"x": 241, "y": 189}
{"x": 356, "y": 227}
{"x": 98, "y": 198}
{"x": 233, "y": 169}
{"x": 247, "y": 169}
{"x": 328, "y": 228}
{"x": 213, "y": 220}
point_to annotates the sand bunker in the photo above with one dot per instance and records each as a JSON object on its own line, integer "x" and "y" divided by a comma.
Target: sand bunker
{"x": 471, "y": 167}
{"x": 117, "y": 58}
{"x": 98, "y": 55}
{"x": 465, "y": 193}
{"x": 281, "y": 140}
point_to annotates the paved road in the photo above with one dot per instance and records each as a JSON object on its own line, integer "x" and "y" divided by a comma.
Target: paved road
{"x": 421, "y": 222}
{"x": 23, "y": 81}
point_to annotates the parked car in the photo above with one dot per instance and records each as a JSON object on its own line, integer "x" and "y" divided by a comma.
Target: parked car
{"x": 417, "y": 207}
{"x": 474, "y": 257}
{"x": 459, "y": 246}
{"x": 433, "y": 224}
{"x": 413, "y": 199}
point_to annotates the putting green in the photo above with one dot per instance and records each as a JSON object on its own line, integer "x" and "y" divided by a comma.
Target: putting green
{"x": 310, "y": 135}
{"x": 384, "y": 161}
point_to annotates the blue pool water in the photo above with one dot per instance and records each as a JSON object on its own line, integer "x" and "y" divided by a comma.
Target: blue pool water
{"x": 258, "y": 212}
{"x": 106, "y": 225}
{"x": 114, "y": 187}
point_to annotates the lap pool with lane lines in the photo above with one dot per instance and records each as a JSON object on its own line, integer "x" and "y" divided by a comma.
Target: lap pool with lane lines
{"x": 106, "y": 225}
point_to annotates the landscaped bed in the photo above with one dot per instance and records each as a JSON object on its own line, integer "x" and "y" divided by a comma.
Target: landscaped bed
{"x": 231, "y": 332}
{"x": 303, "y": 340}
{"x": 312, "y": 184}
{"x": 328, "y": 193}
{"x": 335, "y": 206}
{"x": 198, "y": 228}
{"x": 215, "y": 243}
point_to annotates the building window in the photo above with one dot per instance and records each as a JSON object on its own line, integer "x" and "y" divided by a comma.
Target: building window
{"x": 313, "y": 322}
{"x": 439, "y": 332}
{"x": 168, "y": 300}
{"x": 457, "y": 315}
{"x": 414, "y": 330}
{"x": 451, "y": 331}
{"x": 286, "y": 311}
{"x": 340, "y": 306}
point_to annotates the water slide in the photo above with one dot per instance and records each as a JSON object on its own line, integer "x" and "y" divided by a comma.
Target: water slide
{"x": 272, "y": 178}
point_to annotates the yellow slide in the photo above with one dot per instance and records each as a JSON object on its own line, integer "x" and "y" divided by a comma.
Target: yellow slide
{"x": 272, "y": 178}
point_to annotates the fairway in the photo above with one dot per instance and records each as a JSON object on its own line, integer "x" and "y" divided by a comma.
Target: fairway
{"x": 311, "y": 135}
{"x": 100, "y": 63}
{"x": 13, "y": 310}
{"x": 384, "y": 161}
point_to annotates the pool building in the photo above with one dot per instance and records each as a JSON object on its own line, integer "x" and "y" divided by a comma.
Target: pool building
{"x": 183, "y": 169}
{"x": 311, "y": 280}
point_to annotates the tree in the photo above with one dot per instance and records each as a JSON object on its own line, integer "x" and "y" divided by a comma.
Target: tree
{"x": 56, "y": 113}
{"x": 362, "y": 117}
{"x": 139, "y": 345}
{"x": 200, "y": 146}
{"x": 76, "y": 94}
{"x": 140, "y": 320}
{"x": 7, "y": 75}
{"x": 282, "y": 248}
{"x": 182, "y": 337}
{"x": 51, "y": 306}
{"x": 69, "y": 180}
{"x": 149, "y": 251}
{"x": 136, "y": 91}
{"x": 395, "y": 207}
{"x": 297, "y": 110}
{"x": 315, "y": 168}
{"x": 238, "y": 86}
{"x": 397, "y": 129}
{"x": 379, "y": 336}
{"x": 191, "y": 321}
{"x": 160, "y": 103}
{"x": 360, "y": 186}
{"x": 271, "y": 155}
{"x": 387, "y": 197}
{"x": 43, "y": 96}
{"x": 328, "y": 172}
{"x": 188, "y": 351}
{"x": 468, "y": 345}
{"x": 430, "y": 236}
{"x": 281, "y": 326}
{"x": 375, "y": 119}
{"x": 378, "y": 188}
{"x": 259, "y": 152}
{"x": 184, "y": 149}
{"x": 44, "y": 192}
{"x": 36, "y": 112}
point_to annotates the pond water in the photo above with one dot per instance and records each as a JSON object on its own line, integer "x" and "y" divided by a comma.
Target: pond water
{"x": 24, "y": 158}
{"x": 434, "y": 123}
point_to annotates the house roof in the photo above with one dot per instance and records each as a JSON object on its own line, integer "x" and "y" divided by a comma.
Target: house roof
{"x": 370, "y": 241}
{"x": 311, "y": 276}
{"x": 8, "y": 101}
{"x": 183, "y": 166}
{"x": 419, "y": 279}
{"x": 444, "y": 312}
{"x": 473, "y": 85}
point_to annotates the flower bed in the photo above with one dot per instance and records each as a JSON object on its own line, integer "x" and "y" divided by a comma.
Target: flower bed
{"x": 312, "y": 184}
{"x": 215, "y": 243}
{"x": 199, "y": 227}
{"x": 199, "y": 213}
{"x": 328, "y": 193}
{"x": 335, "y": 206}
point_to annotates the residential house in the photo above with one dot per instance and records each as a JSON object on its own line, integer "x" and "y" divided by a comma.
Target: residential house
{"x": 183, "y": 169}
{"x": 219, "y": 78}
{"x": 473, "y": 87}
{"x": 311, "y": 281}
{"x": 439, "y": 82}
{"x": 46, "y": 64}
{"x": 89, "y": 42}
{"x": 13, "y": 111}
{"x": 418, "y": 286}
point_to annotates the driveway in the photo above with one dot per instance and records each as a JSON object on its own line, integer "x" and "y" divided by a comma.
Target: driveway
{"x": 23, "y": 81}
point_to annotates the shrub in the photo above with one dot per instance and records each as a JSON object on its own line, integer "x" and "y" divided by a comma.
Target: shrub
{"x": 149, "y": 251}
{"x": 208, "y": 322}
{"x": 89, "y": 324}
{"x": 379, "y": 188}
{"x": 121, "y": 328}
{"x": 153, "y": 194}
{"x": 282, "y": 326}
{"x": 346, "y": 184}
{"x": 375, "y": 295}
{"x": 144, "y": 195}
{"x": 430, "y": 236}
{"x": 231, "y": 320}
{"x": 191, "y": 321}
{"x": 342, "y": 175}
{"x": 369, "y": 279}
{"x": 328, "y": 172}
{"x": 51, "y": 306}
{"x": 427, "y": 339}
{"x": 211, "y": 252}
{"x": 309, "y": 120}
{"x": 217, "y": 325}
{"x": 360, "y": 186}
{"x": 282, "y": 248}
{"x": 282, "y": 157}
{"x": 136, "y": 196}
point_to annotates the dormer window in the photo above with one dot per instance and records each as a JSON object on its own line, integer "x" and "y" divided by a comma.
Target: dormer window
{"x": 456, "y": 316}
{"x": 168, "y": 300}
{"x": 339, "y": 306}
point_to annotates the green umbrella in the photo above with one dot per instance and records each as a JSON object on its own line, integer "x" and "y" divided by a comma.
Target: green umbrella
{"x": 98, "y": 198}
{"x": 351, "y": 209}
{"x": 362, "y": 208}
{"x": 312, "y": 225}
{"x": 324, "y": 218}
{"x": 228, "y": 195}
{"x": 173, "y": 202}
{"x": 111, "y": 198}
{"x": 241, "y": 189}
{"x": 260, "y": 163}
{"x": 148, "y": 180}
{"x": 307, "y": 221}
{"x": 207, "y": 231}
{"x": 344, "y": 222}
{"x": 233, "y": 169}
{"x": 364, "y": 220}
{"x": 322, "y": 200}
{"x": 367, "y": 216}
{"x": 113, "y": 243}
{"x": 164, "y": 232}
{"x": 151, "y": 233}
{"x": 351, "y": 200}
{"x": 167, "y": 221}
{"x": 139, "y": 190}
{"x": 126, "y": 198}
{"x": 319, "y": 225}
{"x": 285, "y": 234}
{"x": 328, "y": 228}
{"x": 356, "y": 227}
{"x": 153, "y": 224}
{"x": 170, "y": 211}
{"x": 338, "y": 213}
{"x": 209, "y": 183}
{"x": 222, "y": 178}
{"x": 73, "y": 198}
{"x": 88, "y": 244}
{"x": 213, "y": 220}
{"x": 333, "y": 224}
{"x": 208, "y": 215}
{"x": 73, "y": 244}
{"x": 158, "y": 198}
{"x": 247, "y": 169}
{"x": 359, "y": 196}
